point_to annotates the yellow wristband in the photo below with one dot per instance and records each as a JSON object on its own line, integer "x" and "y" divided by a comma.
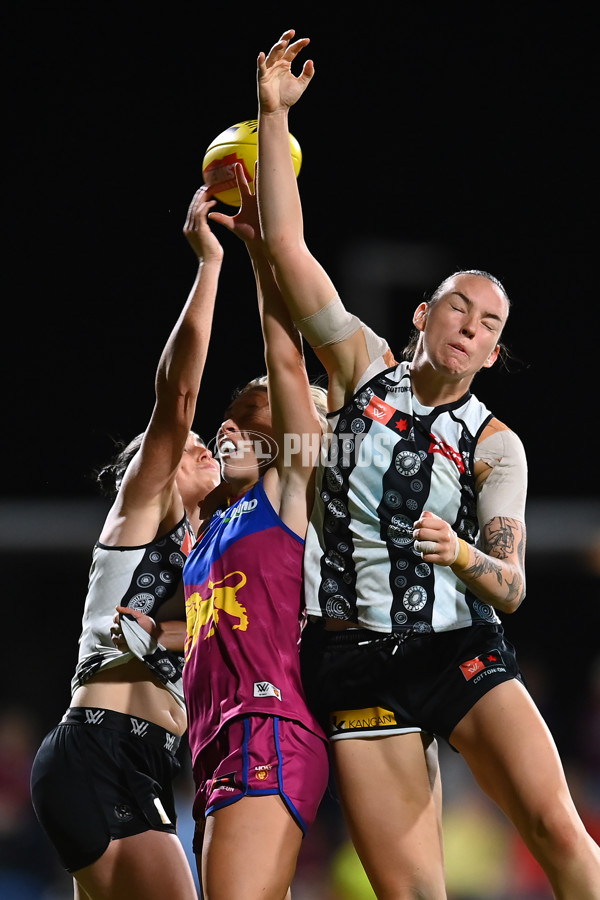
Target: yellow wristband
{"x": 463, "y": 554}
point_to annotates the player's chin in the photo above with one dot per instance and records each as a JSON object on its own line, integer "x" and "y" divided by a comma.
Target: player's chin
{"x": 237, "y": 466}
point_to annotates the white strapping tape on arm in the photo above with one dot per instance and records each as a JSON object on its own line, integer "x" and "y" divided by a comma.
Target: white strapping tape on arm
{"x": 329, "y": 325}
{"x": 333, "y": 323}
{"x": 504, "y": 491}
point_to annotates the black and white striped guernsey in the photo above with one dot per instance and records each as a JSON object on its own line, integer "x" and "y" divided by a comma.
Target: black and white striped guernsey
{"x": 389, "y": 458}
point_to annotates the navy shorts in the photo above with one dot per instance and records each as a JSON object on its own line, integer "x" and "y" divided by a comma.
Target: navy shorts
{"x": 100, "y": 775}
{"x": 363, "y": 684}
{"x": 256, "y": 756}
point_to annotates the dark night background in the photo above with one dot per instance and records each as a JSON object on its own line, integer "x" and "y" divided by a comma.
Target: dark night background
{"x": 469, "y": 130}
{"x": 434, "y": 137}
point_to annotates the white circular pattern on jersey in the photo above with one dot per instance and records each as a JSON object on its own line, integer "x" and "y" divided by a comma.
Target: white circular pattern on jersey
{"x": 145, "y": 580}
{"x": 166, "y": 667}
{"x": 400, "y": 531}
{"x": 407, "y": 462}
{"x": 337, "y": 508}
{"x": 337, "y": 607}
{"x": 415, "y": 598}
{"x": 392, "y": 499}
{"x": 330, "y": 586}
{"x": 334, "y": 478}
{"x": 363, "y": 399}
{"x": 335, "y": 561}
{"x": 483, "y": 609}
{"x": 141, "y": 602}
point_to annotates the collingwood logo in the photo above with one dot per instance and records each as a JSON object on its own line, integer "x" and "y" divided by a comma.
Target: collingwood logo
{"x": 138, "y": 728}
{"x": 94, "y": 717}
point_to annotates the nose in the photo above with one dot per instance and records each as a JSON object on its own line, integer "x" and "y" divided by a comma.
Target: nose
{"x": 204, "y": 453}
{"x": 469, "y": 327}
{"x": 227, "y": 427}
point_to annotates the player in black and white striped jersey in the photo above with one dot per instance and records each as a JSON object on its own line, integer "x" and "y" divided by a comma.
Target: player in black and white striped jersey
{"x": 416, "y": 545}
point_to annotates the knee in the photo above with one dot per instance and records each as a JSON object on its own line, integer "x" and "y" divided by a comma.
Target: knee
{"x": 558, "y": 833}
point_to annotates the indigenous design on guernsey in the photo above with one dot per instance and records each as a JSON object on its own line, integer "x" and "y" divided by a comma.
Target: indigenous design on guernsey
{"x": 389, "y": 459}
{"x": 142, "y": 578}
{"x": 244, "y": 605}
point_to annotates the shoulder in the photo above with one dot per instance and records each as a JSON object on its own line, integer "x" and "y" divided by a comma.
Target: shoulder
{"x": 497, "y": 434}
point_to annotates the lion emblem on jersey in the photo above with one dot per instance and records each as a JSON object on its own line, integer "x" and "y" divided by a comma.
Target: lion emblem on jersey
{"x": 202, "y": 611}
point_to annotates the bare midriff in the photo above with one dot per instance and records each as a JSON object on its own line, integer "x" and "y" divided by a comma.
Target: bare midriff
{"x": 131, "y": 689}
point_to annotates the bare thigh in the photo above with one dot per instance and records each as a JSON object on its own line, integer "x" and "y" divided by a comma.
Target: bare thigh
{"x": 250, "y": 850}
{"x": 390, "y": 792}
{"x": 512, "y": 754}
{"x": 140, "y": 867}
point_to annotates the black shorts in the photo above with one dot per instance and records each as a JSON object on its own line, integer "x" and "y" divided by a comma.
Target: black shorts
{"x": 100, "y": 775}
{"x": 363, "y": 684}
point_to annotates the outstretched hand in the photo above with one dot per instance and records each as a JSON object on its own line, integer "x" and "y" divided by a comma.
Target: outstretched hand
{"x": 278, "y": 88}
{"x": 245, "y": 224}
{"x": 196, "y": 229}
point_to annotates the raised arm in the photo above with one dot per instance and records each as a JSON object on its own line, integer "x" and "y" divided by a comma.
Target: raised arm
{"x": 149, "y": 483}
{"x": 308, "y": 291}
{"x": 296, "y": 425}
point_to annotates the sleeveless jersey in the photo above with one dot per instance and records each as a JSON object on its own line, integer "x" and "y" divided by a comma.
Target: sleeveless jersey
{"x": 243, "y": 588}
{"x": 389, "y": 458}
{"x": 140, "y": 577}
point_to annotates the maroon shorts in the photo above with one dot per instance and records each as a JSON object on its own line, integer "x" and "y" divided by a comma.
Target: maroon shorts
{"x": 257, "y": 756}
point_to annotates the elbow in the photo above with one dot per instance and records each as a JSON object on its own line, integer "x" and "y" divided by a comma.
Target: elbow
{"x": 511, "y": 606}
{"x": 178, "y": 404}
{"x": 515, "y": 596}
{"x": 278, "y": 246}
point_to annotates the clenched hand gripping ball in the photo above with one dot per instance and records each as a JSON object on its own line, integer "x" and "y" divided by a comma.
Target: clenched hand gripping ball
{"x": 237, "y": 144}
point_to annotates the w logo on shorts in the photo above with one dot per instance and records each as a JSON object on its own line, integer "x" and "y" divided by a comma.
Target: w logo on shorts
{"x": 94, "y": 716}
{"x": 138, "y": 728}
{"x": 489, "y": 662}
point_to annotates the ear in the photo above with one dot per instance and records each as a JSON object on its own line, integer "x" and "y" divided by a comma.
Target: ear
{"x": 420, "y": 316}
{"x": 492, "y": 357}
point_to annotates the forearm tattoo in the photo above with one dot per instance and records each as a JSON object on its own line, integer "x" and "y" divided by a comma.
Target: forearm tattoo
{"x": 502, "y": 538}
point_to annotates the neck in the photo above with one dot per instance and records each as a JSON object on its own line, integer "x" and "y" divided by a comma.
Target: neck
{"x": 433, "y": 388}
{"x": 237, "y": 488}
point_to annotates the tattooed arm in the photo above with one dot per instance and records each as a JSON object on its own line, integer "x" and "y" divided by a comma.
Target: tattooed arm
{"x": 494, "y": 570}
